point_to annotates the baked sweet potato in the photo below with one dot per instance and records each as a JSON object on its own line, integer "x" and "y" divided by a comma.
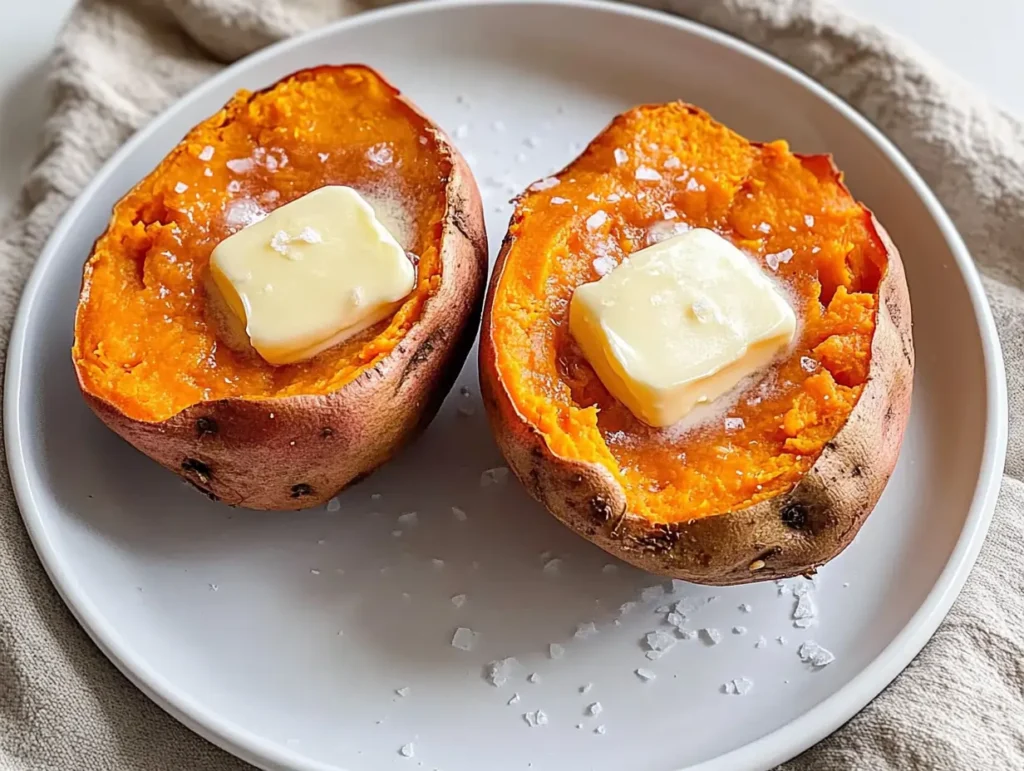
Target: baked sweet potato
{"x": 782, "y": 484}
{"x": 148, "y": 353}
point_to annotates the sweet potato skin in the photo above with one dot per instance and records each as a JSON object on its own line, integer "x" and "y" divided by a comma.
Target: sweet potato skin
{"x": 793, "y": 533}
{"x": 299, "y": 451}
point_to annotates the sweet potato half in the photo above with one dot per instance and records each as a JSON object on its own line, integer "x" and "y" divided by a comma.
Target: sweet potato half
{"x": 784, "y": 479}
{"x": 151, "y": 360}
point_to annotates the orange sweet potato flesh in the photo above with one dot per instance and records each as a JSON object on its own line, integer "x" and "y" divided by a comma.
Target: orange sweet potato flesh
{"x": 144, "y": 339}
{"x": 783, "y": 209}
{"x": 157, "y": 365}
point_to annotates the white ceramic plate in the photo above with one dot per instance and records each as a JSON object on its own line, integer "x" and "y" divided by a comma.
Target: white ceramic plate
{"x": 283, "y": 637}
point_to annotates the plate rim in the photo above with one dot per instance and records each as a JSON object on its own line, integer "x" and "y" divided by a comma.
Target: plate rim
{"x": 765, "y": 752}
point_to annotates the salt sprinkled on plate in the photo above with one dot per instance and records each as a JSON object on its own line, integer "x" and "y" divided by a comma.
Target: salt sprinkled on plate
{"x": 596, "y": 220}
{"x": 620, "y": 156}
{"x": 815, "y": 655}
{"x": 739, "y": 686}
{"x": 553, "y": 566}
{"x": 804, "y": 611}
{"x": 652, "y": 593}
{"x": 745, "y": 608}
{"x": 533, "y": 677}
{"x": 609, "y": 569}
{"x": 333, "y": 505}
{"x": 600, "y": 730}
{"x": 534, "y": 719}
{"x": 780, "y": 640}
{"x": 659, "y": 640}
{"x": 583, "y": 631}
{"x": 464, "y": 639}
{"x": 409, "y": 518}
{"x": 494, "y": 476}
{"x": 556, "y": 651}
{"x": 438, "y": 564}
{"x": 407, "y": 750}
{"x": 375, "y": 497}
{"x": 532, "y": 141}
{"x": 654, "y": 655}
{"x": 711, "y": 636}
{"x": 675, "y": 619}
{"x": 739, "y": 630}
{"x": 206, "y": 153}
{"x": 545, "y": 184}
{"x": 761, "y": 642}
{"x": 586, "y": 688}
{"x": 773, "y": 260}
{"x": 314, "y": 572}
{"x": 627, "y": 606}
{"x": 459, "y": 600}
{"x": 594, "y": 709}
{"x": 647, "y": 174}
{"x": 499, "y": 671}
{"x": 513, "y": 700}
{"x": 461, "y": 131}
{"x": 520, "y": 157}
{"x": 459, "y": 514}
{"x": 404, "y": 691}
{"x": 663, "y": 609}
{"x": 645, "y": 674}
{"x": 733, "y": 424}
{"x": 396, "y": 533}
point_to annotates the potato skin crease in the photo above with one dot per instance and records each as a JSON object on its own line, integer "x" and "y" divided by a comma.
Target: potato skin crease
{"x": 299, "y": 451}
{"x": 790, "y": 534}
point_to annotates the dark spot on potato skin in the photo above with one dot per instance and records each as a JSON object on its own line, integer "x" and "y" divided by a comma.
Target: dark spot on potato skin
{"x": 301, "y": 490}
{"x": 794, "y": 515}
{"x": 600, "y": 509}
{"x": 198, "y": 469}
{"x": 435, "y": 340}
{"x": 326, "y": 433}
{"x": 857, "y": 471}
{"x": 577, "y": 479}
{"x": 206, "y": 427}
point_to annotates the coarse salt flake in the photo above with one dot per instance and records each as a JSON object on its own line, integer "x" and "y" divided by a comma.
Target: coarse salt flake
{"x": 533, "y": 677}
{"x": 815, "y": 655}
{"x": 620, "y": 156}
{"x": 746, "y": 608}
{"x": 556, "y": 651}
{"x": 545, "y": 184}
{"x": 206, "y": 153}
{"x": 494, "y": 476}
{"x": 596, "y": 220}
{"x": 645, "y": 674}
{"x": 734, "y": 424}
{"x": 333, "y": 505}
{"x": 594, "y": 709}
{"x": 240, "y": 165}
{"x": 711, "y": 636}
{"x": 773, "y": 260}
{"x": 586, "y": 688}
{"x": 464, "y": 639}
{"x": 609, "y": 569}
{"x": 552, "y": 566}
{"x": 404, "y": 691}
{"x": 180, "y": 188}
{"x": 604, "y": 265}
{"x": 739, "y": 630}
{"x": 513, "y": 700}
{"x": 458, "y": 600}
{"x": 600, "y": 730}
{"x": 409, "y": 518}
{"x": 652, "y": 593}
{"x": 309, "y": 235}
{"x": 659, "y": 640}
{"x": 459, "y": 514}
{"x": 809, "y": 220}
{"x": 585, "y": 630}
{"x": 807, "y": 364}
{"x": 673, "y": 163}
{"x": 407, "y": 750}
{"x": 558, "y": 200}
{"x": 499, "y": 671}
{"x": 647, "y": 174}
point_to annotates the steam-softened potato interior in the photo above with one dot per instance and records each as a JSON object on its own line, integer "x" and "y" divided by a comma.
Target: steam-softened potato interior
{"x": 655, "y": 172}
{"x": 145, "y": 340}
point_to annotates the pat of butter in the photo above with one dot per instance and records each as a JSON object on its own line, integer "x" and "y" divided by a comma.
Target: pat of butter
{"x": 311, "y": 274}
{"x": 679, "y": 324}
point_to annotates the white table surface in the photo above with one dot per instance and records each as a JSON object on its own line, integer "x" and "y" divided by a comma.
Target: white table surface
{"x": 980, "y": 39}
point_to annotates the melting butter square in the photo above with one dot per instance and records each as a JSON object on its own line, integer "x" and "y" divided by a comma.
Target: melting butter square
{"x": 679, "y": 324}
{"x": 311, "y": 274}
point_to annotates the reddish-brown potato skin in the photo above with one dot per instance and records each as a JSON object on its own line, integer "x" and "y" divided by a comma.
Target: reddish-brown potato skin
{"x": 788, "y": 535}
{"x": 298, "y": 452}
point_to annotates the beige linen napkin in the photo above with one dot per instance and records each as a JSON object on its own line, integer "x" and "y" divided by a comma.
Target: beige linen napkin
{"x": 960, "y": 705}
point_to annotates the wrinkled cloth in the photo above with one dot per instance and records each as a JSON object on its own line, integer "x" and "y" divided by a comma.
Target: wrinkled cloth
{"x": 960, "y": 704}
